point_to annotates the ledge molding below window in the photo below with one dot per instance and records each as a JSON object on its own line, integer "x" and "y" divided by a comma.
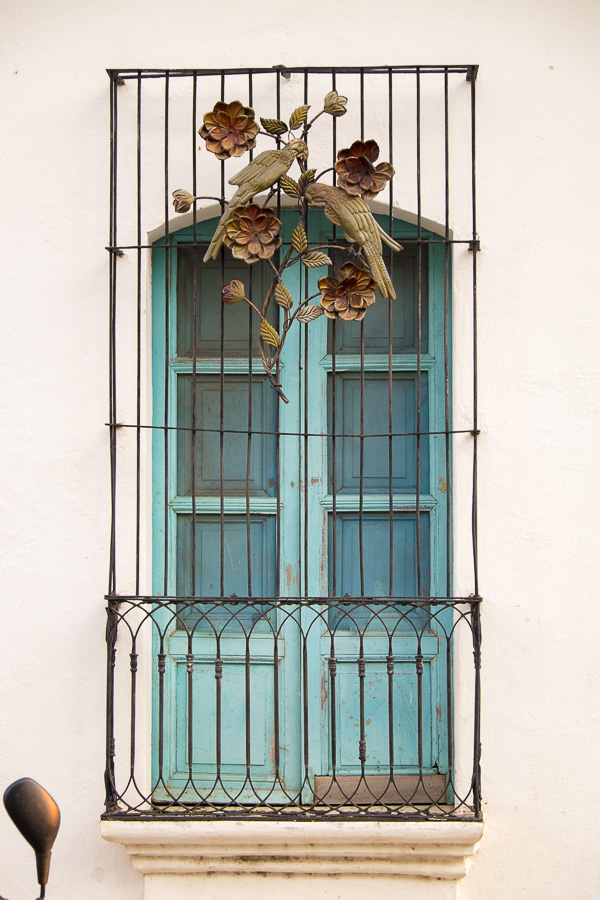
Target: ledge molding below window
{"x": 440, "y": 850}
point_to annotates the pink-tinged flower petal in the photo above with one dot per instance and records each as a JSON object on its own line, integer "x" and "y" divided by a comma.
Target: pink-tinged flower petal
{"x": 356, "y": 173}
{"x": 229, "y": 129}
{"x": 254, "y": 246}
{"x": 252, "y": 233}
{"x": 348, "y": 295}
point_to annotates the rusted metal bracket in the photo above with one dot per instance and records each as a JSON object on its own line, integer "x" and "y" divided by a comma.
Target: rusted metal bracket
{"x": 475, "y": 246}
{"x": 113, "y": 74}
{"x": 283, "y": 71}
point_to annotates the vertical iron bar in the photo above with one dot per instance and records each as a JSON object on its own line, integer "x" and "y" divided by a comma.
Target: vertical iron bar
{"x": 167, "y": 339}
{"x": 278, "y": 402}
{"x": 161, "y": 659}
{"x": 476, "y": 624}
{"x": 222, "y": 394}
{"x": 304, "y": 344}
{"x": 278, "y": 561}
{"x": 362, "y": 104}
{"x": 276, "y": 708}
{"x": 112, "y": 366}
{"x": 449, "y": 707}
{"x": 334, "y": 142}
{"x": 476, "y": 609}
{"x": 250, "y": 388}
{"x": 446, "y": 334}
{"x": 332, "y": 666}
{"x": 189, "y": 667}
{"x": 362, "y": 671}
{"x": 303, "y": 493}
{"x": 334, "y": 549}
{"x": 305, "y": 728}
{"x": 361, "y": 493}
{"x": 194, "y": 435}
{"x": 390, "y": 674}
{"x": 419, "y": 668}
{"x": 448, "y": 473}
{"x": 138, "y": 436}
{"x": 475, "y": 386}
{"x": 133, "y": 667}
{"x": 419, "y": 333}
{"x": 218, "y": 706}
{"x": 112, "y": 620}
{"x": 361, "y": 487}
{"x": 248, "y": 709}
{"x": 249, "y": 443}
{"x": 390, "y": 346}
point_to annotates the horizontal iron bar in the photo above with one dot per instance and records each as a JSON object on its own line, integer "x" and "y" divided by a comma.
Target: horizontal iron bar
{"x": 315, "y": 434}
{"x": 327, "y": 814}
{"x": 116, "y": 74}
{"x": 293, "y": 601}
{"x": 176, "y": 242}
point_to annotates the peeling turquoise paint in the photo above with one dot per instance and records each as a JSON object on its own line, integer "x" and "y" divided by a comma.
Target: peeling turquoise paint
{"x": 305, "y": 475}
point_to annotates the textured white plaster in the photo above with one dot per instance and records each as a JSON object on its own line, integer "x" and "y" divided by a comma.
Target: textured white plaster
{"x": 332, "y": 887}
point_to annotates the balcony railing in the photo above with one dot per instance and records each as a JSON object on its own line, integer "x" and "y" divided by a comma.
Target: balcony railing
{"x": 288, "y": 708}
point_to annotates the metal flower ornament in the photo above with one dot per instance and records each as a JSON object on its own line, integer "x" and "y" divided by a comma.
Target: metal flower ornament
{"x": 252, "y": 232}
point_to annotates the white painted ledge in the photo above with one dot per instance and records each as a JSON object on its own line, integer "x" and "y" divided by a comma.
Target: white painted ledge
{"x": 440, "y": 850}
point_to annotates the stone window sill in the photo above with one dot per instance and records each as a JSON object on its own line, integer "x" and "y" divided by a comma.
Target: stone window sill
{"x": 440, "y": 850}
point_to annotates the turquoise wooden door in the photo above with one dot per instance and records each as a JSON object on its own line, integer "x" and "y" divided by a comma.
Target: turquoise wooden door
{"x": 320, "y": 502}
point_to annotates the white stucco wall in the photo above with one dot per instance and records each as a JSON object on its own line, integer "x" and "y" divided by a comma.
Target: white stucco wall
{"x": 538, "y": 218}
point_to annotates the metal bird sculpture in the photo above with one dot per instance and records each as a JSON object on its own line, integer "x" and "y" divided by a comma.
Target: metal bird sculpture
{"x": 257, "y": 176}
{"x": 353, "y": 216}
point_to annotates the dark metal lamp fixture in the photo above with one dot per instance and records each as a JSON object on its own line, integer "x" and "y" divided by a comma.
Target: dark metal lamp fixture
{"x": 37, "y": 817}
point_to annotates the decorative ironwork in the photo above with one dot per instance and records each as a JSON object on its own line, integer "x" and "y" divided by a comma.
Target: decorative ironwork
{"x": 356, "y": 172}
{"x": 166, "y": 640}
{"x": 349, "y": 295}
{"x": 252, "y": 232}
{"x": 382, "y": 789}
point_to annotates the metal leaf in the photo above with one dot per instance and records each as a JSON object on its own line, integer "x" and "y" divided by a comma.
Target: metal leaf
{"x": 268, "y": 334}
{"x": 289, "y": 186}
{"x": 306, "y": 178}
{"x": 309, "y": 313}
{"x": 314, "y": 260}
{"x": 274, "y": 126}
{"x": 299, "y": 241}
{"x": 298, "y": 117}
{"x": 283, "y": 296}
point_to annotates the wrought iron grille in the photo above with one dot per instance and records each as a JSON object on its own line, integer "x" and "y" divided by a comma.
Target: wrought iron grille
{"x": 283, "y": 635}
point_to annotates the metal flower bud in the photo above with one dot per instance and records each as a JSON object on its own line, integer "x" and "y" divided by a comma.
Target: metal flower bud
{"x": 335, "y": 104}
{"x": 182, "y": 200}
{"x": 233, "y": 292}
